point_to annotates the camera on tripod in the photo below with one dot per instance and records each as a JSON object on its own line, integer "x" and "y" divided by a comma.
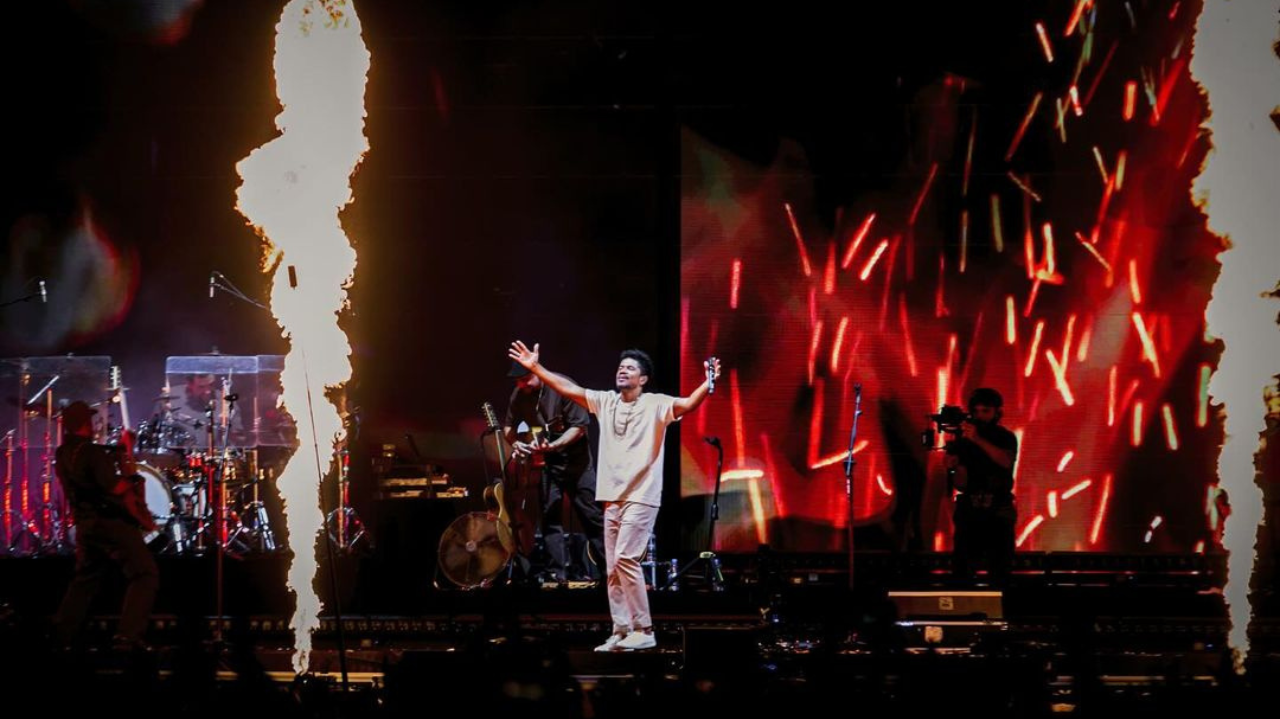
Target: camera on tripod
{"x": 948, "y": 420}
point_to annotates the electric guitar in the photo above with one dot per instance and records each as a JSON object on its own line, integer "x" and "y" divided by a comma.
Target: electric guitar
{"x": 535, "y": 436}
{"x": 134, "y": 498}
{"x": 493, "y": 494}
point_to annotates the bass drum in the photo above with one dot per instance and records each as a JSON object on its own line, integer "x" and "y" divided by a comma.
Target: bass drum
{"x": 159, "y": 497}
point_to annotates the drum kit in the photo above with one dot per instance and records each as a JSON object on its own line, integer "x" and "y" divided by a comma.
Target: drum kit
{"x": 204, "y": 463}
{"x": 188, "y": 498}
{"x": 203, "y": 480}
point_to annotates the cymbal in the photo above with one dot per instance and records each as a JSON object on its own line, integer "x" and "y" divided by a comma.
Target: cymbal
{"x": 39, "y": 404}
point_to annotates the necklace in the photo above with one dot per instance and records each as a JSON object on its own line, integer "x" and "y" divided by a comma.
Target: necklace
{"x": 626, "y": 421}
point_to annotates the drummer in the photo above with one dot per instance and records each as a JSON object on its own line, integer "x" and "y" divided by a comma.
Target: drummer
{"x": 184, "y": 420}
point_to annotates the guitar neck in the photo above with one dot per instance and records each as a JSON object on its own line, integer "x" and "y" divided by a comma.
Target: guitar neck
{"x": 124, "y": 399}
{"x": 124, "y": 411}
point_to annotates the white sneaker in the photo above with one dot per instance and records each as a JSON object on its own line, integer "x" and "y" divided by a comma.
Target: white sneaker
{"x": 610, "y": 644}
{"x": 637, "y": 640}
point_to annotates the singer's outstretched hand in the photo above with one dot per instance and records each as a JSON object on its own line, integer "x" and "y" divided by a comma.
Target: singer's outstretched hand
{"x": 522, "y": 354}
{"x": 528, "y": 358}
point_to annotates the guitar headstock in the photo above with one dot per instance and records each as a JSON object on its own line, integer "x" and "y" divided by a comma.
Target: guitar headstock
{"x": 119, "y": 395}
{"x": 490, "y": 417}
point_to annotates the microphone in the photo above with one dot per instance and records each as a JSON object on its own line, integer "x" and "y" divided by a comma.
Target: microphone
{"x": 713, "y": 441}
{"x": 711, "y": 376}
{"x": 211, "y": 284}
{"x": 44, "y": 294}
{"x": 414, "y": 446}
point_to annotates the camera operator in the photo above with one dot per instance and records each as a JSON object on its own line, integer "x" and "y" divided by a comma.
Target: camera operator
{"x": 980, "y": 462}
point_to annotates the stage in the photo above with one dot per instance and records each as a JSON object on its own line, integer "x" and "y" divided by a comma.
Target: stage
{"x": 423, "y": 291}
{"x": 1076, "y": 632}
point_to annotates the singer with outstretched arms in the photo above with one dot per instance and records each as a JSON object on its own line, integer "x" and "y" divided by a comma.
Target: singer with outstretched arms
{"x": 633, "y": 425}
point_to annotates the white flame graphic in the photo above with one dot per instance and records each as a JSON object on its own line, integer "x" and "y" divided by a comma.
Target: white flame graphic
{"x": 294, "y": 187}
{"x": 1235, "y": 62}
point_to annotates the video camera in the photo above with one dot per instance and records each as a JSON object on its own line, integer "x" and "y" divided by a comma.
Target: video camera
{"x": 948, "y": 419}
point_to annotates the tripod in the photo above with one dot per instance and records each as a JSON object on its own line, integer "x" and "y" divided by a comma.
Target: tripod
{"x": 708, "y": 557}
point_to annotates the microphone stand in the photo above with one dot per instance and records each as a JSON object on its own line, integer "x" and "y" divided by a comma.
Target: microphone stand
{"x": 708, "y": 557}
{"x": 849, "y": 463}
{"x": 231, "y": 289}
{"x": 25, "y": 298}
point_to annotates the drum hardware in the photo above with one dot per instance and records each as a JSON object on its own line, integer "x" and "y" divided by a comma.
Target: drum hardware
{"x": 182, "y": 480}
{"x": 16, "y": 527}
{"x": 259, "y": 528}
{"x": 54, "y": 537}
{"x": 345, "y": 526}
{"x": 253, "y": 530}
{"x": 34, "y": 515}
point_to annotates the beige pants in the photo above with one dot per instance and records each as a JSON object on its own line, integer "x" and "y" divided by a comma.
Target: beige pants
{"x": 627, "y": 527}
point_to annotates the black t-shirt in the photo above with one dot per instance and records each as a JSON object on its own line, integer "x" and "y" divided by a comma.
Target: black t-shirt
{"x": 546, "y": 408}
{"x": 985, "y": 475}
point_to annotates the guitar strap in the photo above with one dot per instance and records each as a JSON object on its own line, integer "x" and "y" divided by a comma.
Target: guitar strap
{"x": 546, "y": 426}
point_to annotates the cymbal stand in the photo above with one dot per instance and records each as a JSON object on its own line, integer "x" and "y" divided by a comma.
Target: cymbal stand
{"x": 59, "y": 511}
{"x": 345, "y": 527}
{"x": 16, "y": 525}
{"x": 217, "y": 475}
{"x": 258, "y": 532}
{"x": 204, "y": 491}
{"x": 52, "y": 539}
{"x": 24, "y": 441}
{"x": 229, "y": 472}
{"x": 8, "y": 488}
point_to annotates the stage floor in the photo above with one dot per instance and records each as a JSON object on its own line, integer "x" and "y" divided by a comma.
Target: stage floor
{"x": 1069, "y": 631}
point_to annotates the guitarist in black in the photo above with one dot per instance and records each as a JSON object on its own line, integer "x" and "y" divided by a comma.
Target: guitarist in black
{"x": 561, "y": 451}
{"x": 110, "y": 514}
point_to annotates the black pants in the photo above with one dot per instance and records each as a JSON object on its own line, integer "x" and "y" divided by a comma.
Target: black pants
{"x": 100, "y": 544}
{"x": 580, "y": 488}
{"x": 983, "y": 533}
